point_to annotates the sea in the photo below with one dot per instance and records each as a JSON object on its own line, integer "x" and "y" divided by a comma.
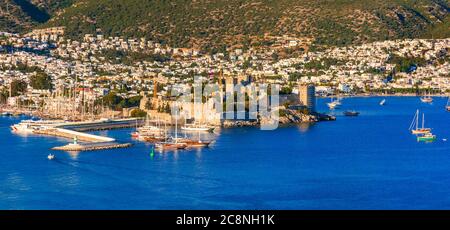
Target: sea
{"x": 370, "y": 161}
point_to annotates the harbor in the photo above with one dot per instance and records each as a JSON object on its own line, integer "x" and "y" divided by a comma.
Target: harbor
{"x": 371, "y": 161}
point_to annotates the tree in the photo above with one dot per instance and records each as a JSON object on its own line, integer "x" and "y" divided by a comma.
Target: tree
{"x": 41, "y": 81}
{"x": 138, "y": 113}
{"x": 18, "y": 87}
{"x": 111, "y": 99}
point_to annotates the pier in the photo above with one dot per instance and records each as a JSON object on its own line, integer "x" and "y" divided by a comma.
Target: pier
{"x": 74, "y": 131}
{"x": 70, "y": 134}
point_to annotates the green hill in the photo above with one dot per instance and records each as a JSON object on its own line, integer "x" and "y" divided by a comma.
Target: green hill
{"x": 23, "y": 15}
{"x": 212, "y": 24}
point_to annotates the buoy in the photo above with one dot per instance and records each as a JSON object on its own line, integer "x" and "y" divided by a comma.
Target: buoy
{"x": 152, "y": 153}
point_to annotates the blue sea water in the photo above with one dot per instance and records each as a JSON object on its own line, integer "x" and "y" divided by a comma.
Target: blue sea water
{"x": 365, "y": 162}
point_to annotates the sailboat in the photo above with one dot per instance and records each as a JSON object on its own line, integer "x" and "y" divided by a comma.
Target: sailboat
{"x": 414, "y": 127}
{"x": 447, "y": 107}
{"x": 171, "y": 143}
{"x": 148, "y": 129}
{"x": 155, "y": 133}
{"x": 136, "y": 133}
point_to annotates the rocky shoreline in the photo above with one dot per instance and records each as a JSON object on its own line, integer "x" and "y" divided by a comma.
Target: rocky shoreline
{"x": 290, "y": 117}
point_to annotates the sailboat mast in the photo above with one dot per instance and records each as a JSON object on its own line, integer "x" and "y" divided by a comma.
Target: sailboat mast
{"x": 176, "y": 126}
{"x": 423, "y": 120}
{"x": 417, "y": 120}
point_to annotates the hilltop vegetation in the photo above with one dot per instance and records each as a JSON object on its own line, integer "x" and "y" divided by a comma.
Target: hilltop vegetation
{"x": 23, "y": 15}
{"x": 214, "y": 25}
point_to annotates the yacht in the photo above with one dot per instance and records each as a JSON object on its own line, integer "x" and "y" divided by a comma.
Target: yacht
{"x": 197, "y": 128}
{"x": 426, "y": 99}
{"x": 28, "y": 126}
{"x": 414, "y": 127}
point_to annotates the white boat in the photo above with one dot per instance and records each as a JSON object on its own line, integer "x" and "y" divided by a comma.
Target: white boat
{"x": 149, "y": 130}
{"x": 426, "y": 99}
{"x": 383, "y": 102}
{"x": 334, "y": 103}
{"x": 414, "y": 127}
{"x": 197, "y": 128}
{"x": 6, "y": 114}
{"x": 51, "y": 156}
{"x": 28, "y": 126}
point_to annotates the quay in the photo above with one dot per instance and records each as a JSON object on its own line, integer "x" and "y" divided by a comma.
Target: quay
{"x": 102, "y": 124}
{"x": 65, "y": 133}
{"x": 91, "y": 146}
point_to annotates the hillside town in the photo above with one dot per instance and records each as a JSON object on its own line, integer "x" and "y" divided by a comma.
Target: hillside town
{"x": 111, "y": 76}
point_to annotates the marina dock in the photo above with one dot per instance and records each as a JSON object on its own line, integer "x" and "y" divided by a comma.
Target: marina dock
{"x": 74, "y": 131}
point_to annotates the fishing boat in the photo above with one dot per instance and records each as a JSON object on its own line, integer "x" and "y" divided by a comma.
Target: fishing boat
{"x": 414, "y": 127}
{"x": 447, "y": 107}
{"x": 383, "y": 102}
{"x": 351, "y": 113}
{"x": 427, "y": 137}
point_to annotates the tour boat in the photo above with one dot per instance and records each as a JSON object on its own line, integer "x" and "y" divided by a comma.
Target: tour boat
{"x": 351, "y": 113}
{"x": 426, "y": 137}
{"x": 383, "y": 102}
{"x": 414, "y": 127}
